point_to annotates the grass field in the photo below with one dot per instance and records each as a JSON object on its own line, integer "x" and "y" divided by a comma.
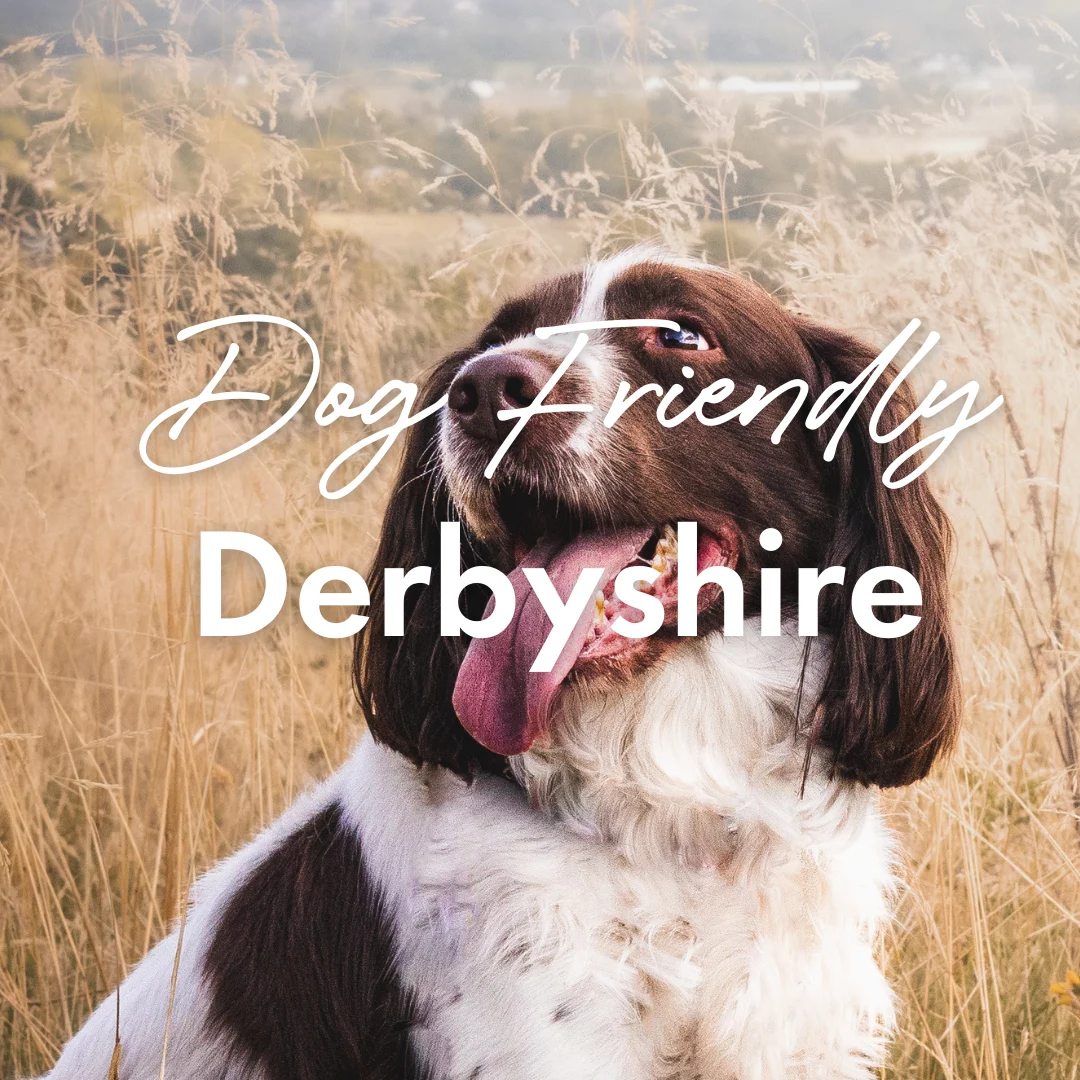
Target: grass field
{"x": 133, "y": 753}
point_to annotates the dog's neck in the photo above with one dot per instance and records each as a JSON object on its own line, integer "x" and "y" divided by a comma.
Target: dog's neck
{"x": 699, "y": 760}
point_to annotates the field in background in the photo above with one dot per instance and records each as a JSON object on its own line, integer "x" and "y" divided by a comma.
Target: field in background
{"x": 142, "y": 194}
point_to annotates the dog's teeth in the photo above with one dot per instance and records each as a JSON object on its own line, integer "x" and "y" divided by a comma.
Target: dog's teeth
{"x": 598, "y": 615}
{"x": 667, "y": 550}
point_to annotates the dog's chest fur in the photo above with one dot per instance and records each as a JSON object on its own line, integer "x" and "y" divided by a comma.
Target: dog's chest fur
{"x": 534, "y": 952}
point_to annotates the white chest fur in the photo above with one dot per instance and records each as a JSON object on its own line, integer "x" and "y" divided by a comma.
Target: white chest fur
{"x": 536, "y": 952}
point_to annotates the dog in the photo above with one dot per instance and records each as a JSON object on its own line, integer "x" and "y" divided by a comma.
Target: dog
{"x": 663, "y": 859}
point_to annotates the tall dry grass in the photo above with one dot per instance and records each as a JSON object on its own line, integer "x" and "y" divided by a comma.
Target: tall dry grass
{"x": 153, "y": 192}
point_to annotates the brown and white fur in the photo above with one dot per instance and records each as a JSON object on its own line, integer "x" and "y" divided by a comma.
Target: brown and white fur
{"x": 685, "y": 874}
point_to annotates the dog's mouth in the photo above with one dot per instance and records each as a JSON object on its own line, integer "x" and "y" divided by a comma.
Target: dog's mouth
{"x": 500, "y": 701}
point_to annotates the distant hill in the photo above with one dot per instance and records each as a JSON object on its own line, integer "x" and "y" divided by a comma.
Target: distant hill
{"x": 467, "y": 38}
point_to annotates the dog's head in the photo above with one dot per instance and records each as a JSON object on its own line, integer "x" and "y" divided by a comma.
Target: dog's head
{"x": 572, "y": 492}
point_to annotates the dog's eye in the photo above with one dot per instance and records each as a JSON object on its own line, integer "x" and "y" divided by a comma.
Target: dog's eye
{"x": 491, "y": 338}
{"x": 683, "y": 338}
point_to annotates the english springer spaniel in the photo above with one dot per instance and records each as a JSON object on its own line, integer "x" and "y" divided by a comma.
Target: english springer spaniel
{"x": 662, "y": 859}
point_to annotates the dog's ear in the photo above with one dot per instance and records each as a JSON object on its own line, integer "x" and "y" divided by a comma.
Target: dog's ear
{"x": 889, "y": 706}
{"x": 405, "y": 684}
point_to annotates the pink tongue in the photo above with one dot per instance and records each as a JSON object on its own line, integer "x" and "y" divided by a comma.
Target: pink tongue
{"x": 499, "y": 701}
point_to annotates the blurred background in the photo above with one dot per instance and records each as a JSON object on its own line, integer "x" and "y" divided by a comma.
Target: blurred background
{"x": 382, "y": 173}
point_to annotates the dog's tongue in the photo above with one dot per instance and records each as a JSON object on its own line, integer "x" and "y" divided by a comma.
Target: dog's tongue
{"x": 500, "y": 702}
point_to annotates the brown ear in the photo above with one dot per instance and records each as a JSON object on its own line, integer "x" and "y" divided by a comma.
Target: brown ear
{"x": 889, "y": 706}
{"x": 404, "y": 684}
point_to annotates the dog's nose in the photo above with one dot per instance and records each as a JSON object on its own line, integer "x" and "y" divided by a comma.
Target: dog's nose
{"x": 490, "y": 383}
